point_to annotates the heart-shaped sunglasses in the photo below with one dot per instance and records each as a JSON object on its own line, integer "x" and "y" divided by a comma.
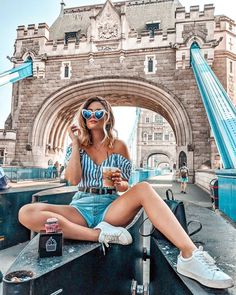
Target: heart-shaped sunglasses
{"x": 98, "y": 114}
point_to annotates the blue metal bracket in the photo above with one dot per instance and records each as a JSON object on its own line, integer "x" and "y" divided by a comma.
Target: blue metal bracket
{"x": 17, "y": 73}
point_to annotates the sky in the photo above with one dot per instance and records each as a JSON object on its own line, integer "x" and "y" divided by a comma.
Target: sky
{"x": 23, "y": 12}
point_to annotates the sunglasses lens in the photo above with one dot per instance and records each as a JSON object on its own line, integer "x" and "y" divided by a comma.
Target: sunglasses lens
{"x": 99, "y": 114}
{"x": 86, "y": 114}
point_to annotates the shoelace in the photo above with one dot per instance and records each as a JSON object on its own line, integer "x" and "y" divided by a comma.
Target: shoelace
{"x": 109, "y": 238}
{"x": 207, "y": 259}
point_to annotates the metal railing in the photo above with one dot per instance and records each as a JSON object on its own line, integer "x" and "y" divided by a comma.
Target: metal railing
{"x": 16, "y": 174}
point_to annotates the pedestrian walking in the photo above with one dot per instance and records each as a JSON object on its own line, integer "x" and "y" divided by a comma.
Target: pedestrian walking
{"x": 183, "y": 172}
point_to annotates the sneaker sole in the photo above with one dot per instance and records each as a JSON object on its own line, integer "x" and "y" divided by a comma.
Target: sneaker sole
{"x": 208, "y": 283}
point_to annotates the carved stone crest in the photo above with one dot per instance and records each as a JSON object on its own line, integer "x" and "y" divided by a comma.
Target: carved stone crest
{"x": 108, "y": 23}
{"x": 107, "y": 30}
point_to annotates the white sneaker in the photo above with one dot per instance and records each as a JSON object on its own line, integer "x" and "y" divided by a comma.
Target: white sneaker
{"x": 201, "y": 267}
{"x": 113, "y": 234}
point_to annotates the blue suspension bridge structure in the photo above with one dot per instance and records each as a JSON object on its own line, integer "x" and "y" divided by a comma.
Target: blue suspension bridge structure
{"x": 220, "y": 110}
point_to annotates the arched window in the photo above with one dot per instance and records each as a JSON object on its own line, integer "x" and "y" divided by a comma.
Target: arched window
{"x": 182, "y": 158}
{"x": 150, "y": 64}
{"x": 66, "y": 71}
{"x": 145, "y": 136}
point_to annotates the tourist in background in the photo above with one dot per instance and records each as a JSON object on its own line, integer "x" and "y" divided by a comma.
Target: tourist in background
{"x": 183, "y": 177}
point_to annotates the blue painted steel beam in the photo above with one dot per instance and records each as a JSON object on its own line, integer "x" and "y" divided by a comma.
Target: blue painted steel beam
{"x": 17, "y": 73}
{"x": 220, "y": 110}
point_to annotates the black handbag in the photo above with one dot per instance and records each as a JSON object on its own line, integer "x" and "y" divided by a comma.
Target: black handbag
{"x": 177, "y": 207}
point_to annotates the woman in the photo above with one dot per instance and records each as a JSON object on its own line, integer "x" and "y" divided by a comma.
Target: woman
{"x": 183, "y": 173}
{"x": 100, "y": 214}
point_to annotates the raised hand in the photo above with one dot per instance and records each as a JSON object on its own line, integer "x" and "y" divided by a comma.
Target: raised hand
{"x": 74, "y": 132}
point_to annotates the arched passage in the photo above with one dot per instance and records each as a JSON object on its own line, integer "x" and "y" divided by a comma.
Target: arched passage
{"x": 59, "y": 109}
{"x": 170, "y": 157}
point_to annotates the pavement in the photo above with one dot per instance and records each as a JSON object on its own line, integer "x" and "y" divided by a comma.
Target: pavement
{"x": 218, "y": 234}
{"x": 194, "y": 193}
{"x": 194, "y": 196}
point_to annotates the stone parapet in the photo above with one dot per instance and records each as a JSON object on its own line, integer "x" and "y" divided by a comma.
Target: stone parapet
{"x": 132, "y": 42}
{"x": 194, "y": 14}
{"x": 33, "y": 30}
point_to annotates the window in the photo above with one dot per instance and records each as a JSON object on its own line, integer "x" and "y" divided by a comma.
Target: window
{"x": 158, "y": 136}
{"x": 167, "y": 137}
{"x": 150, "y": 64}
{"x": 147, "y": 120}
{"x": 66, "y": 70}
{"x": 158, "y": 119}
{"x": 144, "y": 136}
{"x": 71, "y": 35}
{"x": 231, "y": 67}
{"x": 152, "y": 27}
{"x": 149, "y": 136}
{"x": 2, "y": 153}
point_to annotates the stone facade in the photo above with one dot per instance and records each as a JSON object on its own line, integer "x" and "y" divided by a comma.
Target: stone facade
{"x": 134, "y": 53}
{"x": 156, "y": 143}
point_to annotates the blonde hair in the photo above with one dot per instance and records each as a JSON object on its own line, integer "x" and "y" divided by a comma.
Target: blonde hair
{"x": 108, "y": 126}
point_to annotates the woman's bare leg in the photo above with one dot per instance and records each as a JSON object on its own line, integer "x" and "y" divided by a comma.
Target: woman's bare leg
{"x": 33, "y": 216}
{"x": 184, "y": 186}
{"x": 124, "y": 208}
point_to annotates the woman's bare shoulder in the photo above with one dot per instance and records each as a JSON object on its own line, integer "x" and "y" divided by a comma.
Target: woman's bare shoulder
{"x": 121, "y": 148}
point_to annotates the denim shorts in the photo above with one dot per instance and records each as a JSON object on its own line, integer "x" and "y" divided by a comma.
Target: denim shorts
{"x": 92, "y": 207}
{"x": 183, "y": 179}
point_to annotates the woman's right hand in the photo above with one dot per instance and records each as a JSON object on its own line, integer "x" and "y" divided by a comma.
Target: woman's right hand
{"x": 74, "y": 132}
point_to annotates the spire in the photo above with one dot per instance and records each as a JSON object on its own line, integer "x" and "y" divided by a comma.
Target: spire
{"x": 62, "y": 7}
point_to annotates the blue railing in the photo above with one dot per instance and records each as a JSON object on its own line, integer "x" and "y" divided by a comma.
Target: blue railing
{"x": 16, "y": 174}
{"x": 138, "y": 175}
{"x": 20, "y": 174}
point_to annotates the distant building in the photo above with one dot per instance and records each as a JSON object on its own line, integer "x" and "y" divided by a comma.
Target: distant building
{"x": 156, "y": 145}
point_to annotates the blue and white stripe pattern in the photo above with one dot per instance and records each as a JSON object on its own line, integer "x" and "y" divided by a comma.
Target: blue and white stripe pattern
{"x": 17, "y": 73}
{"x": 92, "y": 173}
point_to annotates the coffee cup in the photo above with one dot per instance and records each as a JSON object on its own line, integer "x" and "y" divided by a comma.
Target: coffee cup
{"x": 107, "y": 176}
